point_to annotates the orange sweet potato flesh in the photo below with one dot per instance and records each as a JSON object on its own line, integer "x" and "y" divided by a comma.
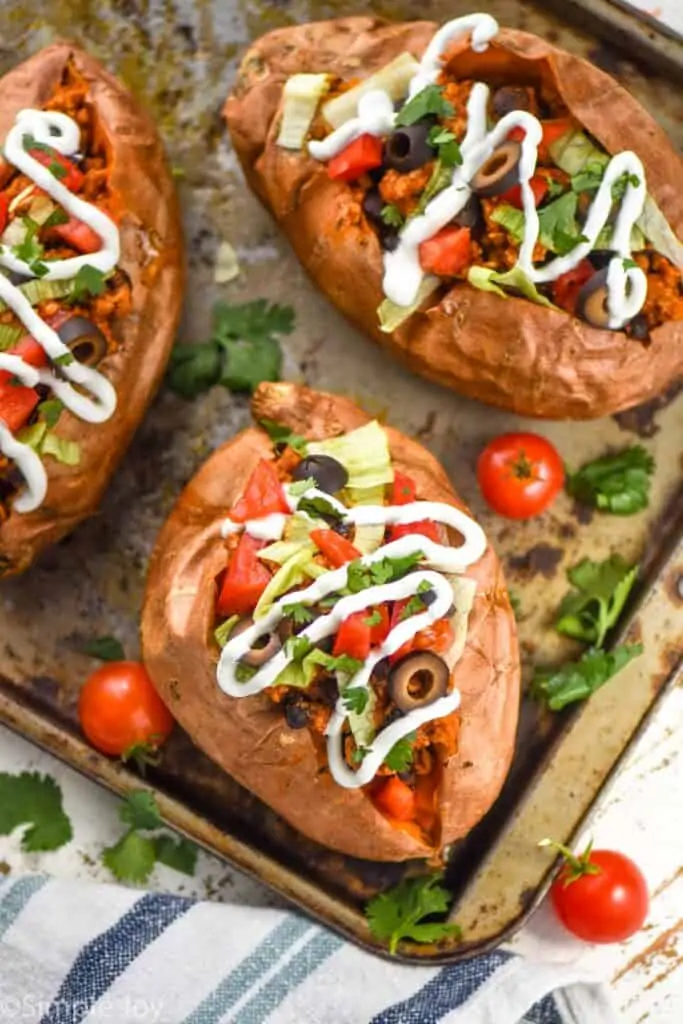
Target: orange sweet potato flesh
{"x": 248, "y": 737}
{"x": 507, "y": 352}
{"x": 151, "y": 256}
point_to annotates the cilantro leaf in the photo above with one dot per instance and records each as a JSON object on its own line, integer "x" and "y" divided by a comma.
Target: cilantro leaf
{"x": 132, "y": 858}
{"x": 297, "y": 647}
{"x": 319, "y": 508}
{"x": 594, "y": 607}
{"x": 140, "y": 810}
{"x": 358, "y": 754}
{"x": 50, "y": 410}
{"x": 621, "y": 184}
{"x": 563, "y": 242}
{"x": 356, "y": 699}
{"x": 284, "y": 436}
{"x": 629, "y": 264}
{"x": 299, "y": 613}
{"x": 577, "y": 680}
{"x": 400, "y": 757}
{"x": 34, "y": 800}
{"x": 66, "y": 359}
{"x": 242, "y": 351}
{"x": 429, "y": 101}
{"x": 179, "y": 854}
{"x": 58, "y": 216}
{"x": 342, "y": 663}
{"x": 392, "y": 216}
{"x": 558, "y": 229}
{"x": 555, "y": 188}
{"x": 374, "y": 619}
{"x": 618, "y": 483}
{"x": 88, "y": 281}
{"x": 106, "y": 648}
{"x": 416, "y": 604}
{"x": 399, "y": 913}
{"x": 589, "y": 177}
{"x": 30, "y": 249}
{"x": 447, "y": 145}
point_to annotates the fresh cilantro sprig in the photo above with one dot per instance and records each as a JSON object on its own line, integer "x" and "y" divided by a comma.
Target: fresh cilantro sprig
{"x": 356, "y": 699}
{"x": 558, "y": 229}
{"x": 601, "y": 588}
{"x": 374, "y": 618}
{"x": 445, "y": 142}
{"x": 106, "y": 648}
{"x": 618, "y": 483}
{"x": 88, "y": 281}
{"x": 392, "y": 216}
{"x": 621, "y": 184}
{"x": 134, "y": 856}
{"x": 400, "y": 757}
{"x": 578, "y": 680}
{"x": 299, "y": 613}
{"x": 400, "y": 913}
{"x": 320, "y": 508}
{"x": 417, "y": 602}
{"x": 297, "y": 647}
{"x": 284, "y": 436}
{"x": 385, "y": 570}
{"x": 242, "y": 352}
{"x": 34, "y": 800}
{"x": 30, "y": 249}
{"x": 429, "y": 102}
{"x": 50, "y": 410}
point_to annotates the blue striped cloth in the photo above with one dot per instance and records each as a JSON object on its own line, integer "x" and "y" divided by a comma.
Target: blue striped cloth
{"x": 72, "y": 953}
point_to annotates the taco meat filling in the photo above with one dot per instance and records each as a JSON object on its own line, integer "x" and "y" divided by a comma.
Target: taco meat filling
{"x": 84, "y": 310}
{"x": 315, "y": 541}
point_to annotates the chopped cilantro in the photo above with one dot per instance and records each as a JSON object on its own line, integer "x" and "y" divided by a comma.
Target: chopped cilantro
{"x": 621, "y": 184}
{"x": 284, "y": 436}
{"x": 601, "y": 588}
{"x": 133, "y": 857}
{"x": 356, "y": 699}
{"x": 618, "y": 483}
{"x": 374, "y": 619}
{"x": 400, "y": 757}
{"x": 399, "y": 912}
{"x": 447, "y": 145}
{"x": 319, "y": 508}
{"x": 106, "y": 648}
{"x": 297, "y": 647}
{"x": 392, "y": 216}
{"x": 577, "y": 680}
{"x": 88, "y": 281}
{"x": 385, "y": 570}
{"x": 64, "y": 360}
{"x": 34, "y": 800}
{"x": 428, "y": 102}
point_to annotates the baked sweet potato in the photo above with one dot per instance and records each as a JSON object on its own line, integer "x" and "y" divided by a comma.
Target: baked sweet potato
{"x": 443, "y": 776}
{"x": 120, "y": 319}
{"x": 536, "y": 360}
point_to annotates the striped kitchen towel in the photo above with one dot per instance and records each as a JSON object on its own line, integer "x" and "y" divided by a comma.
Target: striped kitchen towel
{"x": 72, "y": 953}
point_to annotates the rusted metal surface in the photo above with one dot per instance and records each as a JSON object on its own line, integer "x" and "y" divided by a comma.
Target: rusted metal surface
{"x": 180, "y": 57}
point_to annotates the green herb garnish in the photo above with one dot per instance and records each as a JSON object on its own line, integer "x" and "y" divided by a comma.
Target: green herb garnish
{"x": 392, "y": 216}
{"x": 447, "y": 145}
{"x": 356, "y": 699}
{"x": 618, "y": 483}
{"x": 577, "y": 680}
{"x": 399, "y": 913}
{"x": 34, "y": 800}
{"x": 428, "y": 102}
{"x": 106, "y": 648}
{"x": 88, "y": 281}
{"x": 385, "y": 570}
{"x": 284, "y": 436}
{"x": 594, "y": 607}
{"x": 400, "y": 757}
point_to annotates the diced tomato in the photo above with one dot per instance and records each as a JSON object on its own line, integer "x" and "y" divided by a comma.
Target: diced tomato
{"x": 379, "y": 631}
{"x": 245, "y": 580}
{"x": 425, "y": 526}
{"x": 517, "y": 135}
{"x": 567, "y": 286}
{"x": 30, "y": 351}
{"x": 354, "y": 636}
{"x": 404, "y": 490}
{"x": 361, "y": 155}
{"x": 336, "y": 549}
{"x": 447, "y": 252}
{"x": 262, "y": 496}
{"x": 16, "y": 405}
{"x": 79, "y": 235}
{"x": 437, "y": 638}
{"x": 396, "y": 799}
{"x": 4, "y": 210}
{"x": 71, "y": 177}
{"x": 539, "y": 187}
{"x": 554, "y": 130}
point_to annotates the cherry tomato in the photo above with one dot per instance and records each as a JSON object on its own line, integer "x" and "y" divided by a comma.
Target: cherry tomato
{"x": 119, "y": 709}
{"x": 600, "y": 896}
{"x": 396, "y": 799}
{"x": 520, "y": 475}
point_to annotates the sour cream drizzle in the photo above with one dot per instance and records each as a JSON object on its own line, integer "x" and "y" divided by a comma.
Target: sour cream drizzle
{"x": 626, "y": 286}
{"x": 438, "y": 558}
{"x": 62, "y": 134}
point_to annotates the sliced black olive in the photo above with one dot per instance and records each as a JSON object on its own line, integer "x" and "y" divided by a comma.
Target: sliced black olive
{"x": 591, "y": 304}
{"x": 389, "y": 239}
{"x": 417, "y": 680}
{"x": 471, "y": 216}
{"x": 329, "y": 475}
{"x": 372, "y": 206}
{"x": 87, "y": 343}
{"x": 638, "y": 328}
{"x": 601, "y": 258}
{"x": 500, "y": 172}
{"x": 296, "y": 713}
{"x": 509, "y": 98}
{"x": 428, "y": 597}
{"x": 265, "y": 647}
{"x": 408, "y": 148}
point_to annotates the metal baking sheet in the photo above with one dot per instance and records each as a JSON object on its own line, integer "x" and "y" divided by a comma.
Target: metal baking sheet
{"x": 180, "y": 58}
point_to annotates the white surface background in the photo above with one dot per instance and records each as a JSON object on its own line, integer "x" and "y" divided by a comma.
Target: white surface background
{"x": 643, "y": 816}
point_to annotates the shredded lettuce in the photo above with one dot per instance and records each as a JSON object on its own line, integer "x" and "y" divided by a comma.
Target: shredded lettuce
{"x": 391, "y": 315}
{"x": 290, "y": 574}
{"x": 298, "y": 527}
{"x": 573, "y": 152}
{"x": 362, "y": 724}
{"x": 282, "y": 550}
{"x": 10, "y": 335}
{"x": 222, "y": 634}
{"x": 367, "y": 538}
{"x": 488, "y": 280}
{"x": 302, "y": 94}
{"x": 464, "y": 591}
{"x": 364, "y": 454}
{"x": 393, "y": 79}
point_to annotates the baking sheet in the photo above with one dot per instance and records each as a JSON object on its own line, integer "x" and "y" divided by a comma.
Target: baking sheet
{"x": 180, "y": 58}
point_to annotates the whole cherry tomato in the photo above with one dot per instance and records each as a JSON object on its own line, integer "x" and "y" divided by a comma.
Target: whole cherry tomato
{"x": 520, "y": 475}
{"x": 600, "y": 895}
{"x": 119, "y": 710}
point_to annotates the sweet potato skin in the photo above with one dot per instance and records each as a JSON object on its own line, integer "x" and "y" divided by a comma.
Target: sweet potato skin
{"x": 248, "y": 738}
{"x": 507, "y": 352}
{"x": 151, "y": 256}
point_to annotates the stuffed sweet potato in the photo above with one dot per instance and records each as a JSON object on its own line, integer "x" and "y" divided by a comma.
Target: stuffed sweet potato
{"x": 331, "y": 627}
{"x": 90, "y": 292}
{"x": 464, "y": 197}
